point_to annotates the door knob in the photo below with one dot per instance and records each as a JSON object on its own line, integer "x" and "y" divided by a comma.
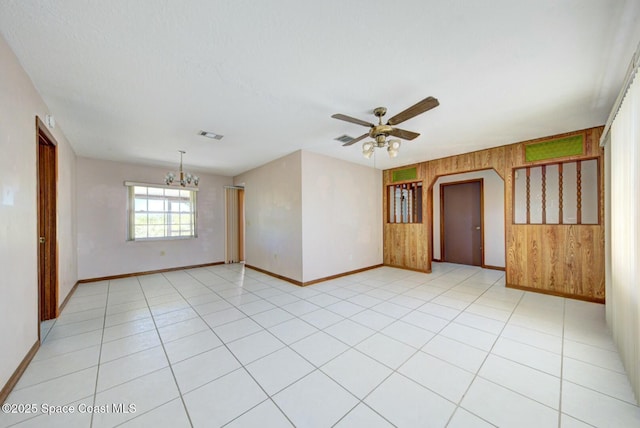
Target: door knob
{"x": 477, "y": 227}
{"x": 41, "y": 239}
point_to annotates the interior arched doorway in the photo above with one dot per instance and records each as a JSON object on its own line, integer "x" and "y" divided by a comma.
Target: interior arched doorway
{"x": 492, "y": 225}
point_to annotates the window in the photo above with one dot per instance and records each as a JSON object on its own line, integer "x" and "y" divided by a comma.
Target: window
{"x": 161, "y": 212}
{"x": 558, "y": 193}
{"x": 405, "y": 203}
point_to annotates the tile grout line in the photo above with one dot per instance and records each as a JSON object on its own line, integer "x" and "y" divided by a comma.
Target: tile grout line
{"x": 297, "y": 316}
{"x": 396, "y": 319}
{"x": 533, "y": 368}
{"x": 95, "y": 391}
{"x": 476, "y": 374}
{"x": 398, "y": 292}
{"x": 564, "y": 319}
{"x": 286, "y": 345}
{"x": 417, "y": 350}
{"x": 345, "y": 318}
{"x": 165, "y": 355}
{"x": 318, "y": 368}
{"x": 353, "y": 347}
{"x": 148, "y": 411}
{"x": 242, "y": 366}
{"x": 395, "y": 371}
{"x": 43, "y": 339}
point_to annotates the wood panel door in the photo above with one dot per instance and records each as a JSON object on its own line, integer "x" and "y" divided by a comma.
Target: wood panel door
{"x": 461, "y": 220}
{"x": 47, "y": 235}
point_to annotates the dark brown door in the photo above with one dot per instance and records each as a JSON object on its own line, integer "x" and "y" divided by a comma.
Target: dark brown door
{"x": 47, "y": 242}
{"x": 461, "y": 218}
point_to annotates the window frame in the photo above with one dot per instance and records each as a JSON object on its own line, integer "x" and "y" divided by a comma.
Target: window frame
{"x": 131, "y": 211}
{"x": 578, "y": 162}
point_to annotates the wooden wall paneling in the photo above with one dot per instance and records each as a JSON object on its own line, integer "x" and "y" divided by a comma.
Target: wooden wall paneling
{"x": 592, "y": 261}
{"x": 552, "y": 259}
{"x": 533, "y": 251}
{"x": 516, "y": 266}
{"x": 513, "y": 261}
{"x": 572, "y": 267}
{"x": 558, "y": 259}
{"x": 406, "y": 244}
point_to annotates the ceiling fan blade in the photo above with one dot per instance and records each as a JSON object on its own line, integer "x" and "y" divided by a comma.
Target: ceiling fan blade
{"x": 355, "y": 140}
{"x": 405, "y": 135}
{"x": 352, "y": 120}
{"x": 416, "y": 109}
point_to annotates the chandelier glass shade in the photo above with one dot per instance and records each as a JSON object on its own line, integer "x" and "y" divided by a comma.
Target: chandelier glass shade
{"x": 182, "y": 178}
{"x": 393, "y": 146}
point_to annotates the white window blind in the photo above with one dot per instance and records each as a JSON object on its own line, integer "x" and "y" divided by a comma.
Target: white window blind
{"x": 623, "y": 302}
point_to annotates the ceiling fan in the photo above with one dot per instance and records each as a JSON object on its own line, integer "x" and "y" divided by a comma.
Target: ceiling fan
{"x": 381, "y": 131}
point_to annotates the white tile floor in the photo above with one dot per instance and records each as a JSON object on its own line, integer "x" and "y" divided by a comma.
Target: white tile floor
{"x": 230, "y": 346}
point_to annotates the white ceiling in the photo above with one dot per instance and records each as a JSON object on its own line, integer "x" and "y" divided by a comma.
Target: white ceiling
{"x": 136, "y": 80}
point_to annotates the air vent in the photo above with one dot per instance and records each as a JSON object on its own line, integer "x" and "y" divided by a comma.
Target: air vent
{"x": 344, "y": 138}
{"x": 210, "y": 135}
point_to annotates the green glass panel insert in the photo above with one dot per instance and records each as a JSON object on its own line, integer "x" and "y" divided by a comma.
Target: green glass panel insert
{"x": 405, "y": 174}
{"x": 562, "y": 147}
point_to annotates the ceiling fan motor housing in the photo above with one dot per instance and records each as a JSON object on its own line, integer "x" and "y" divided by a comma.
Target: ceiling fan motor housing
{"x": 380, "y": 130}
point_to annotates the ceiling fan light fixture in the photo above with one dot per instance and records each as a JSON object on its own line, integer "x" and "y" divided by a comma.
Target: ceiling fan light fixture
{"x": 393, "y": 147}
{"x": 368, "y": 149}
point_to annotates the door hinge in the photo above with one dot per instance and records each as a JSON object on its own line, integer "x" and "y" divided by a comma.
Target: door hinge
{"x": 41, "y": 239}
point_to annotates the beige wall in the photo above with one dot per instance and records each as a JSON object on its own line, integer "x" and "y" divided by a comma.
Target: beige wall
{"x": 19, "y": 105}
{"x": 273, "y": 216}
{"x": 310, "y": 216}
{"x": 102, "y": 222}
{"x": 341, "y": 216}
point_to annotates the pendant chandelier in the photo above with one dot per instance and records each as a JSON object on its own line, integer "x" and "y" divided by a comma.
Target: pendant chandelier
{"x": 182, "y": 178}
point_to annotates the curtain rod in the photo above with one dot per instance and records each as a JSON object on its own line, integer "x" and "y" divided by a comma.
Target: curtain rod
{"x": 628, "y": 78}
{"x": 234, "y": 187}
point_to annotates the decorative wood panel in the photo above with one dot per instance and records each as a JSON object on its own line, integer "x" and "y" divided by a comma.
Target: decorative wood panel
{"x": 566, "y": 260}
